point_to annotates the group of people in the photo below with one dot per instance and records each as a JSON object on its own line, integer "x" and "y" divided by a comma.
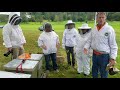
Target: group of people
{"x": 81, "y": 44}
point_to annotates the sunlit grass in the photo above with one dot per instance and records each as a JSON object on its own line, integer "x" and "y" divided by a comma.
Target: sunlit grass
{"x": 32, "y": 33}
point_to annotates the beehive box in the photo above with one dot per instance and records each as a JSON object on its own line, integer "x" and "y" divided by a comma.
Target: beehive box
{"x": 5, "y": 74}
{"x": 38, "y": 57}
{"x": 35, "y": 57}
{"x": 29, "y": 67}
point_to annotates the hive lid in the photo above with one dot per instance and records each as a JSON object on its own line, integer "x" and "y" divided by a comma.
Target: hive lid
{"x": 27, "y": 66}
{"x": 36, "y": 56}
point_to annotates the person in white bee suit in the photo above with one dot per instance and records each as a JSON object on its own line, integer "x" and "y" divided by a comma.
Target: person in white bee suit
{"x": 68, "y": 41}
{"x": 13, "y": 36}
{"x": 49, "y": 42}
{"x": 103, "y": 43}
{"x": 83, "y": 60}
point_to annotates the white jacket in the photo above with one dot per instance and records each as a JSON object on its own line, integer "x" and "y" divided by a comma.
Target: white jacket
{"x": 13, "y": 35}
{"x": 81, "y": 40}
{"x": 50, "y": 40}
{"x": 103, "y": 40}
{"x": 69, "y": 36}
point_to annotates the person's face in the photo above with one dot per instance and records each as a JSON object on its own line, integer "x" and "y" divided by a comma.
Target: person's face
{"x": 101, "y": 19}
{"x": 84, "y": 31}
{"x": 48, "y": 29}
{"x": 70, "y": 26}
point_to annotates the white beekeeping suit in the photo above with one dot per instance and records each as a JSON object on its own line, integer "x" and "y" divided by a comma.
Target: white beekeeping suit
{"x": 68, "y": 41}
{"x": 12, "y": 33}
{"x": 69, "y": 35}
{"x": 83, "y": 60}
{"x": 50, "y": 40}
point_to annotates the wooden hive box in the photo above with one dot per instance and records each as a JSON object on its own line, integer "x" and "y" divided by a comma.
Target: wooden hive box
{"x": 39, "y": 58}
{"x": 28, "y": 67}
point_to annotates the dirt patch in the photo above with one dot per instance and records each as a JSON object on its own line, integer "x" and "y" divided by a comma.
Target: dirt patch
{"x": 60, "y": 58}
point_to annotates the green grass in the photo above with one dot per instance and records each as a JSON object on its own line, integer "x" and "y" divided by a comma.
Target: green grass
{"x": 32, "y": 33}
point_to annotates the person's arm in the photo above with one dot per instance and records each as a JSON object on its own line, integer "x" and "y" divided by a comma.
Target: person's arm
{"x": 113, "y": 47}
{"x": 63, "y": 40}
{"x": 41, "y": 43}
{"x": 76, "y": 40}
{"x": 23, "y": 37}
{"x": 6, "y": 38}
{"x": 88, "y": 44}
{"x": 76, "y": 37}
{"x": 58, "y": 42}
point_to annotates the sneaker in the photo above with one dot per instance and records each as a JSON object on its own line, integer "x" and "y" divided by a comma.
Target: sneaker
{"x": 85, "y": 75}
{"x": 47, "y": 71}
{"x": 56, "y": 71}
{"x": 73, "y": 67}
{"x": 78, "y": 73}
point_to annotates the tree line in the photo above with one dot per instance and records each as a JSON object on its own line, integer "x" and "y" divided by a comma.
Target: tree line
{"x": 62, "y": 16}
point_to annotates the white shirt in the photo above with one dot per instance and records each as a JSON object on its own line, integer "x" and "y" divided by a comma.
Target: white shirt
{"x": 69, "y": 36}
{"x": 50, "y": 40}
{"x": 103, "y": 41}
{"x": 13, "y": 36}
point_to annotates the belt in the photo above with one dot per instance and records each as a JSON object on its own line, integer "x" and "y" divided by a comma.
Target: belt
{"x": 98, "y": 52}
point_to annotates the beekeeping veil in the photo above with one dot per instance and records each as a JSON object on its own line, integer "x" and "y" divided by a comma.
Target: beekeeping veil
{"x": 84, "y": 27}
{"x": 14, "y": 18}
{"x": 42, "y": 28}
{"x": 47, "y": 25}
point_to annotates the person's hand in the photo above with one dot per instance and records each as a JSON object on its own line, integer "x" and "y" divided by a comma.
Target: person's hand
{"x": 9, "y": 49}
{"x": 112, "y": 62}
{"x": 24, "y": 44}
{"x": 44, "y": 47}
{"x": 63, "y": 46}
{"x": 85, "y": 51}
{"x": 58, "y": 45}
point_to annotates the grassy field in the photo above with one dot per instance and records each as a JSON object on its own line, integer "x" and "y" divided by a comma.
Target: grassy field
{"x": 32, "y": 33}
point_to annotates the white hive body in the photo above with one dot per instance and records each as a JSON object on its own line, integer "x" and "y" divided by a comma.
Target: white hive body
{"x": 39, "y": 58}
{"x": 29, "y": 67}
{"x": 4, "y": 74}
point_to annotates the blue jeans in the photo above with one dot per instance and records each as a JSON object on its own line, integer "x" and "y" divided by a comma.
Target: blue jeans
{"x": 53, "y": 58}
{"x": 70, "y": 50}
{"x": 99, "y": 65}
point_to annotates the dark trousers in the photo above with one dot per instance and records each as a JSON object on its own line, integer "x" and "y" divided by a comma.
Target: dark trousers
{"x": 47, "y": 60}
{"x": 70, "y": 50}
{"x": 99, "y": 65}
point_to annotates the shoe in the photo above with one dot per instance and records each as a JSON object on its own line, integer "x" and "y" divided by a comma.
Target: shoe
{"x": 47, "y": 71}
{"x": 56, "y": 71}
{"x": 73, "y": 67}
{"x": 69, "y": 63}
{"x": 78, "y": 73}
{"x": 85, "y": 75}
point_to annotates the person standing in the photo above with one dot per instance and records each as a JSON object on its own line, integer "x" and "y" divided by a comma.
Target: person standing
{"x": 13, "y": 36}
{"x": 103, "y": 43}
{"x": 83, "y": 60}
{"x": 49, "y": 42}
{"x": 68, "y": 41}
